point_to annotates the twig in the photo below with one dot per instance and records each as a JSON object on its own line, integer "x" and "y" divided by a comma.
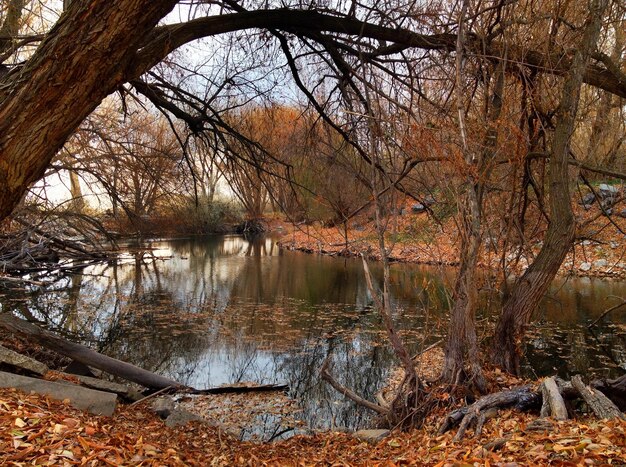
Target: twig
{"x": 150, "y": 396}
{"x": 430, "y": 347}
{"x": 19, "y": 280}
{"x": 606, "y": 312}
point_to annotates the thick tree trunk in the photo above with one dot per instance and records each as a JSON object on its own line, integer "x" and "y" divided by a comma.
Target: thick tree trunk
{"x": 533, "y": 284}
{"x": 83, "y": 59}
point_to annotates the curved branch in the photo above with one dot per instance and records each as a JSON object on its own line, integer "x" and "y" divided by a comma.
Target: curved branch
{"x": 165, "y": 39}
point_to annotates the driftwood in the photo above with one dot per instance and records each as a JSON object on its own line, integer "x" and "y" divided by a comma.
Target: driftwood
{"x": 601, "y": 405}
{"x": 23, "y": 362}
{"x": 553, "y": 403}
{"x": 614, "y": 389}
{"x": 86, "y": 355}
{"x": 240, "y": 389}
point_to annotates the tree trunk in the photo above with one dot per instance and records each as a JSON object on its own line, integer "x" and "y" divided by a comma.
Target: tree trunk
{"x": 85, "y": 355}
{"x": 462, "y": 342}
{"x": 530, "y": 288}
{"x": 78, "y": 203}
{"x": 82, "y": 59}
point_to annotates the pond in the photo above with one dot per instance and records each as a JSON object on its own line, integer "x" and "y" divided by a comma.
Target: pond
{"x": 225, "y": 309}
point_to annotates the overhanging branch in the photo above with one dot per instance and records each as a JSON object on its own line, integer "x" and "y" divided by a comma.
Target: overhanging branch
{"x": 165, "y": 39}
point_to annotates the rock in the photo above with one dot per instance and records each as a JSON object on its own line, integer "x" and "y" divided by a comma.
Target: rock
{"x": 614, "y": 245}
{"x": 600, "y": 263}
{"x": 22, "y": 361}
{"x": 622, "y": 213}
{"x": 606, "y": 191}
{"x": 371, "y": 436}
{"x": 95, "y": 402}
{"x": 608, "y": 202}
{"x": 585, "y": 267}
{"x": 163, "y": 406}
{"x": 109, "y": 386}
{"x": 587, "y": 200}
{"x": 418, "y": 207}
{"x": 181, "y": 417}
{"x": 607, "y": 212}
{"x": 429, "y": 200}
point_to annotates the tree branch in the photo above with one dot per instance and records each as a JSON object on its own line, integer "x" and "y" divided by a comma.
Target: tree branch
{"x": 165, "y": 39}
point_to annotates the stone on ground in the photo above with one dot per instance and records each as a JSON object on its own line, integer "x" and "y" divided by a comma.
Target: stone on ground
{"x": 90, "y": 400}
{"x": 22, "y": 361}
{"x": 371, "y": 436}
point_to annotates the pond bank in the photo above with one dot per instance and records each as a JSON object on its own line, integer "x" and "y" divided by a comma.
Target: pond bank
{"x": 438, "y": 245}
{"x": 36, "y": 429}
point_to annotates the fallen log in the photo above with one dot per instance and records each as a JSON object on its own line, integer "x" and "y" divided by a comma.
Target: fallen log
{"x": 86, "y": 355}
{"x": 601, "y": 405}
{"x": 614, "y": 389}
{"x": 553, "y": 404}
{"x": 240, "y": 389}
{"x": 23, "y": 362}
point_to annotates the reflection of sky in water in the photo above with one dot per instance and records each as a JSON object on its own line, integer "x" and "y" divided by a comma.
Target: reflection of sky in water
{"x": 223, "y": 310}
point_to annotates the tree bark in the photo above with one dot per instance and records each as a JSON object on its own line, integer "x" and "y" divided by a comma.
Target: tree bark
{"x": 553, "y": 403}
{"x": 81, "y": 60}
{"x": 85, "y": 355}
{"x": 601, "y": 405}
{"x": 614, "y": 389}
{"x": 530, "y": 288}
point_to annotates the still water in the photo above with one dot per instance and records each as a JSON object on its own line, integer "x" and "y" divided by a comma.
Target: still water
{"x": 225, "y": 309}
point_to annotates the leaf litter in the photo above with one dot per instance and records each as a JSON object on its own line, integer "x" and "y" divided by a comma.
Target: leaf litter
{"x": 36, "y": 430}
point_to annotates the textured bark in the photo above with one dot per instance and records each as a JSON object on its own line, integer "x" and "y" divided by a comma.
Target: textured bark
{"x": 522, "y": 398}
{"x": 11, "y": 24}
{"x": 615, "y": 389}
{"x": 85, "y": 355}
{"x": 601, "y": 405}
{"x": 462, "y": 344}
{"x": 530, "y": 288}
{"x": 82, "y": 59}
{"x": 553, "y": 403}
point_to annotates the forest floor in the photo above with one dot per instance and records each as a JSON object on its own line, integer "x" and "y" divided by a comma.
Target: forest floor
{"x": 38, "y": 430}
{"x": 600, "y": 249}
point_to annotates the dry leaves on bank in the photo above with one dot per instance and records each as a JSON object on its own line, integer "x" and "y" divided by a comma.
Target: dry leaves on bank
{"x": 36, "y": 430}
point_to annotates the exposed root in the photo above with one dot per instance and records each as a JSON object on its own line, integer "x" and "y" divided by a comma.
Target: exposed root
{"x": 550, "y": 397}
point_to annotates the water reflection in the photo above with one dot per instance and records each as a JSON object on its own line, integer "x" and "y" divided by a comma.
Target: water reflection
{"x": 225, "y": 309}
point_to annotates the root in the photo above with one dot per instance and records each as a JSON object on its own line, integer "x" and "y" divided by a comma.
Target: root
{"x": 550, "y": 397}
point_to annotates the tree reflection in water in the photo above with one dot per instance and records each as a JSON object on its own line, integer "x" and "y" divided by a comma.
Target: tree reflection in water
{"x": 225, "y": 309}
